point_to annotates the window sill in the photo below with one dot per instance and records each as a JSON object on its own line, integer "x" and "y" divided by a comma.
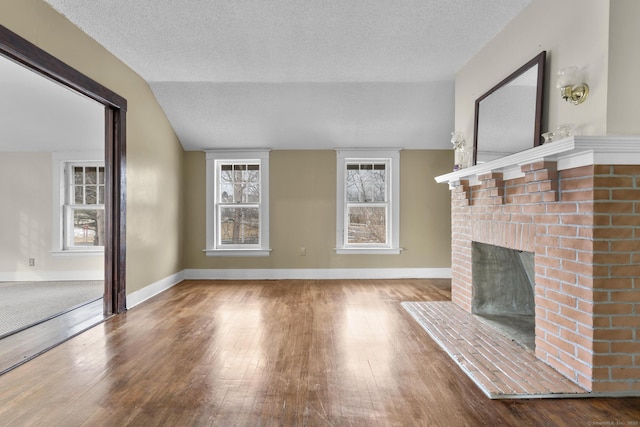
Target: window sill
{"x": 368, "y": 251}
{"x": 238, "y": 252}
{"x": 95, "y": 252}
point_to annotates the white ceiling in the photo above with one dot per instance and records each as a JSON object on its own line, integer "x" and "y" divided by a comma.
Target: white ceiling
{"x": 298, "y": 74}
{"x": 37, "y": 114}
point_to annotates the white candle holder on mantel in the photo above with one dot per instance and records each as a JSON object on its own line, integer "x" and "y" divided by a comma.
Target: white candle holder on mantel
{"x": 461, "y": 153}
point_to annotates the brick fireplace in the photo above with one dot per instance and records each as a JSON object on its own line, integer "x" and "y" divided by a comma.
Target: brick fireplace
{"x": 575, "y": 204}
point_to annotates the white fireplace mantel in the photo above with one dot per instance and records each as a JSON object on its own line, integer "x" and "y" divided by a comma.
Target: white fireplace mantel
{"x": 571, "y": 152}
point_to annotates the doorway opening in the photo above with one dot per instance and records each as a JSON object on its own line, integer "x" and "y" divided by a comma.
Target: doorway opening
{"x": 105, "y": 228}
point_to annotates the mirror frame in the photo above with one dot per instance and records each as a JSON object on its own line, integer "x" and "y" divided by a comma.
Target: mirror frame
{"x": 539, "y": 60}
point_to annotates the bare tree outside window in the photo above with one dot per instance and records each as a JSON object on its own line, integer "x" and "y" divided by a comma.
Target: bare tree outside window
{"x": 239, "y": 198}
{"x": 366, "y": 194}
{"x": 86, "y": 207}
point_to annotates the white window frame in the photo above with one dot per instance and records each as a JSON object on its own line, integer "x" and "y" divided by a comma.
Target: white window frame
{"x": 214, "y": 160}
{"x": 61, "y": 209}
{"x": 391, "y": 158}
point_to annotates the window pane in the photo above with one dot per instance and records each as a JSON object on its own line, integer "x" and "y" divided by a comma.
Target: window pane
{"x": 251, "y": 193}
{"x": 91, "y": 175}
{"x": 78, "y": 175}
{"x": 78, "y": 195}
{"x": 91, "y": 195}
{"x": 101, "y": 175}
{"x": 252, "y": 176}
{"x": 88, "y": 227}
{"x": 379, "y": 183}
{"x": 101, "y": 195}
{"x": 354, "y": 187}
{"x": 239, "y": 225}
{"x": 238, "y": 193}
{"x": 226, "y": 192}
{"x": 226, "y": 175}
{"x": 366, "y": 183}
{"x": 367, "y": 225}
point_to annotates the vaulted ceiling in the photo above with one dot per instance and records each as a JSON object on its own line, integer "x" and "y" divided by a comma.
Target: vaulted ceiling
{"x": 298, "y": 74}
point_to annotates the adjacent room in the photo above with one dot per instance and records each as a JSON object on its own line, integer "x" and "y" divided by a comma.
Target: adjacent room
{"x": 319, "y": 213}
{"x": 52, "y": 172}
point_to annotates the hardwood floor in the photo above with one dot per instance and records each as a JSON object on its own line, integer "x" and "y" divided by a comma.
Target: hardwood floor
{"x": 268, "y": 353}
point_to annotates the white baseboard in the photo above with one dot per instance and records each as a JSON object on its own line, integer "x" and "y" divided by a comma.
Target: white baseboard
{"x": 52, "y": 276}
{"x": 153, "y": 289}
{"x": 318, "y": 274}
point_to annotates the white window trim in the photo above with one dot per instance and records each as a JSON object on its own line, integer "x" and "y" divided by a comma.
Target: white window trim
{"x": 59, "y": 188}
{"x": 211, "y": 176}
{"x": 367, "y": 155}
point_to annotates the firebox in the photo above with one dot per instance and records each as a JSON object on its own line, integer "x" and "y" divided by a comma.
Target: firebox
{"x": 503, "y": 290}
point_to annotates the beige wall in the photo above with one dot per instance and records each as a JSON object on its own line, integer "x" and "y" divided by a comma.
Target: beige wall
{"x": 26, "y": 223}
{"x": 623, "y": 106}
{"x": 154, "y": 154}
{"x": 303, "y": 214}
{"x": 573, "y": 32}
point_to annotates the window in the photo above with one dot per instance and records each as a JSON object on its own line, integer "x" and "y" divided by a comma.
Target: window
{"x": 84, "y": 210}
{"x": 237, "y": 203}
{"x": 79, "y": 192}
{"x": 368, "y": 201}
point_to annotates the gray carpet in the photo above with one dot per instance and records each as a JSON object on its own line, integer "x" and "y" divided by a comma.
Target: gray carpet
{"x": 25, "y": 303}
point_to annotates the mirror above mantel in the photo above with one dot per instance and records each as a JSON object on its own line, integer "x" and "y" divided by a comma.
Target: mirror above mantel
{"x": 508, "y": 117}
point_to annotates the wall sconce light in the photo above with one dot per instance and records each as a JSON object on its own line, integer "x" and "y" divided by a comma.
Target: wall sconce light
{"x": 572, "y": 86}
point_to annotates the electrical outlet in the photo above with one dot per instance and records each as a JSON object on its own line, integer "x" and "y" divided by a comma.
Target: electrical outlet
{"x": 32, "y": 262}
{"x": 303, "y": 251}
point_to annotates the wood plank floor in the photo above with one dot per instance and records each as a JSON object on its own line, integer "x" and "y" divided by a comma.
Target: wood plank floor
{"x": 282, "y": 353}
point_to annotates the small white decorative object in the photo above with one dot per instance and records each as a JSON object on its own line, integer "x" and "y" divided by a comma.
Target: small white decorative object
{"x": 548, "y": 137}
{"x": 461, "y": 159}
{"x": 562, "y": 131}
{"x": 565, "y": 130}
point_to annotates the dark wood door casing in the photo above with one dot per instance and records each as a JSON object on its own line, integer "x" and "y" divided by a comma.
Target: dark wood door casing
{"x": 31, "y": 56}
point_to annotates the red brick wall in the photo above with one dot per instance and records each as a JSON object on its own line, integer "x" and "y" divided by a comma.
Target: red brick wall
{"x": 583, "y": 225}
{"x": 616, "y": 278}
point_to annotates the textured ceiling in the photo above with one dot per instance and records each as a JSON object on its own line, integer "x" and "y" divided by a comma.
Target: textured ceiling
{"x": 298, "y": 74}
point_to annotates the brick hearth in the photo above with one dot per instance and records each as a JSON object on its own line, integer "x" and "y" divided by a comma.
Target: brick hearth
{"x": 582, "y": 222}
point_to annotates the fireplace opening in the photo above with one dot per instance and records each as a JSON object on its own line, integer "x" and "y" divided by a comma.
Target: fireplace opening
{"x": 503, "y": 290}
